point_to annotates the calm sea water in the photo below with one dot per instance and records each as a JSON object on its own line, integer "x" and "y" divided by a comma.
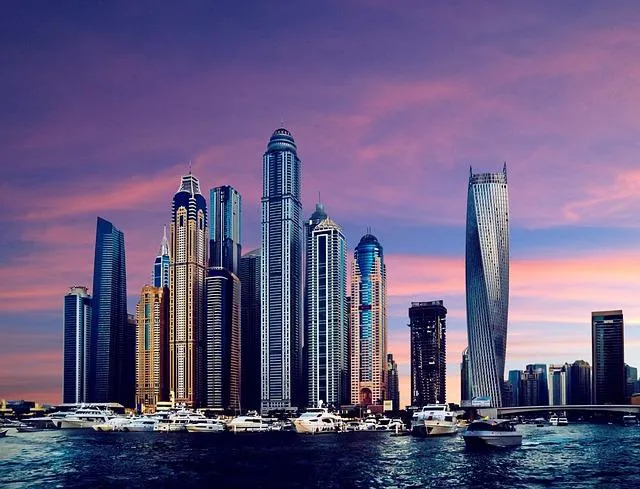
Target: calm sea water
{"x": 576, "y": 456}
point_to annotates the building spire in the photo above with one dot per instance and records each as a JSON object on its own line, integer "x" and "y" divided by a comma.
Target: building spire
{"x": 164, "y": 244}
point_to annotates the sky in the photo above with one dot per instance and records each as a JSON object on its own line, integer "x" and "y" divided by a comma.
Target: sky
{"x": 390, "y": 103}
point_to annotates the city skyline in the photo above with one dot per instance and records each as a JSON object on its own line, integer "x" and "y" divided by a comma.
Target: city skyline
{"x": 387, "y": 138}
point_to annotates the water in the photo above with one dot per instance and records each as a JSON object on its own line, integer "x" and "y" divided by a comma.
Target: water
{"x": 575, "y": 456}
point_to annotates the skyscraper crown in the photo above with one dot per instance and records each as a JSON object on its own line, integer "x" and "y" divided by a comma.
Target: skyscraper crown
{"x": 281, "y": 140}
{"x": 190, "y": 185}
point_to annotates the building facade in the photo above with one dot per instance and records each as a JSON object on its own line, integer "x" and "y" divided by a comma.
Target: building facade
{"x": 152, "y": 347}
{"x": 393, "y": 382}
{"x": 465, "y": 377}
{"x": 222, "y": 341}
{"x": 326, "y": 332}
{"x": 487, "y": 281}
{"x": 368, "y": 333}
{"x": 281, "y": 275}
{"x": 108, "y": 363}
{"x": 559, "y": 380}
{"x": 428, "y": 323}
{"x": 514, "y": 380}
{"x": 188, "y": 241}
{"x": 76, "y": 334}
{"x": 162, "y": 263}
{"x": 580, "y": 383}
{"x": 533, "y": 390}
{"x": 607, "y": 357}
{"x": 225, "y": 224}
{"x": 250, "y": 330}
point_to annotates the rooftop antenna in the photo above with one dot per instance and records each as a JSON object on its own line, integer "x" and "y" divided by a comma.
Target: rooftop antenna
{"x": 319, "y": 199}
{"x": 282, "y": 122}
{"x": 189, "y": 167}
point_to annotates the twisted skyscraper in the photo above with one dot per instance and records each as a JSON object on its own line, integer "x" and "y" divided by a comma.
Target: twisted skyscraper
{"x": 487, "y": 281}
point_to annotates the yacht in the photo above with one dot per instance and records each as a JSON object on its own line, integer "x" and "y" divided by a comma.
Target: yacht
{"x": 553, "y": 420}
{"x": 492, "y": 432}
{"x": 84, "y": 418}
{"x": 179, "y": 420}
{"x": 209, "y": 425}
{"x": 370, "y": 422}
{"x": 563, "y": 421}
{"x": 434, "y": 420}
{"x": 629, "y": 420}
{"x": 355, "y": 425}
{"x": 318, "y": 420}
{"x": 141, "y": 423}
{"x": 248, "y": 423}
{"x": 116, "y": 423}
{"x": 387, "y": 424}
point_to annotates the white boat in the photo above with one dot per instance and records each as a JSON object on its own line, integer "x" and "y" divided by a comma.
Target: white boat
{"x": 179, "y": 420}
{"x": 210, "y": 425}
{"x": 434, "y": 420}
{"x": 249, "y": 423}
{"x": 629, "y": 420}
{"x": 553, "y": 420}
{"x": 141, "y": 423}
{"x": 370, "y": 423}
{"x": 387, "y": 424}
{"x": 318, "y": 420}
{"x": 117, "y": 423}
{"x": 84, "y": 418}
{"x": 562, "y": 421}
{"x": 492, "y": 432}
{"x": 355, "y": 425}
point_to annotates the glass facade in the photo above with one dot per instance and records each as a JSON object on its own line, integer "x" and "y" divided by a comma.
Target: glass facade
{"x": 162, "y": 263}
{"x": 225, "y": 218}
{"x": 607, "y": 347}
{"x": 250, "y": 326}
{"x": 76, "y": 334}
{"x": 487, "y": 281}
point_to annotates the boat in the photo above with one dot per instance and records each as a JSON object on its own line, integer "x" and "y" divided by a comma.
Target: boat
{"x": 386, "y": 424}
{"x": 493, "y": 433}
{"x": 210, "y": 425}
{"x": 3, "y": 433}
{"x": 355, "y": 425}
{"x": 553, "y": 420}
{"x": 116, "y": 423}
{"x": 629, "y": 420}
{"x": 179, "y": 420}
{"x": 248, "y": 423}
{"x": 318, "y": 420}
{"x": 84, "y": 418}
{"x": 141, "y": 423}
{"x": 25, "y": 428}
{"x": 434, "y": 420}
{"x": 563, "y": 421}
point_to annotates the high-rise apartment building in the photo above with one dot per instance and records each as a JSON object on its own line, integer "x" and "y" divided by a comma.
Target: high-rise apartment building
{"x": 368, "y": 328}
{"x": 533, "y": 386}
{"x": 393, "y": 382}
{"x": 108, "y": 365}
{"x": 487, "y": 281}
{"x": 514, "y": 380}
{"x": 579, "y": 383}
{"x": 559, "y": 381}
{"x": 152, "y": 347}
{"x": 428, "y": 323}
{"x": 162, "y": 263}
{"x": 225, "y": 220}
{"x": 250, "y": 330}
{"x": 326, "y": 332}
{"x": 222, "y": 340}
{"x": 281, "y": 275}
{"x": 76, "y": 334}
{"x": 465, "y": 377}
{"x": 188, "y": 250}
{"x": 607, "y": 349}
{"x": 631, "y": 377}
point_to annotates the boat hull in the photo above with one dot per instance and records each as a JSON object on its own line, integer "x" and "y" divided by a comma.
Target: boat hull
{"x": 484, "y": 439}
{"x": 194, "y": 428}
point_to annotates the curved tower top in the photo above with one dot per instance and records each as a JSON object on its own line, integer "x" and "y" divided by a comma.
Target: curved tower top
{"x": 282, "y": 140}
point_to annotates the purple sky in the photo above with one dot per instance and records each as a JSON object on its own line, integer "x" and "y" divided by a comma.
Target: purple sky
{"x": 104, "y": 103}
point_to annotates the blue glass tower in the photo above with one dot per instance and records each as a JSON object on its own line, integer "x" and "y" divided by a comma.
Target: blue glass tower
{"x": 368, "y": 336}
{"x": 225, "y": 220}
{"x": 162, "y": 263}
{"x": 281, "y": 275}
{"x": 249, "y": 269}
{"x": 77, "y": 324}
{"x": 487, "y": 281}
{"x": 108, "y": 359}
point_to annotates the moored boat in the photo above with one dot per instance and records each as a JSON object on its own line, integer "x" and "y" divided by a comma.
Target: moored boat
{"x": 493, "y": 433}
{"x": 318, "y": 420}
{"x": 434, "y": 420}
{"x": 4, "y": 432}
{"x": 210, "y": 425}
{"x": 248, "y": 423}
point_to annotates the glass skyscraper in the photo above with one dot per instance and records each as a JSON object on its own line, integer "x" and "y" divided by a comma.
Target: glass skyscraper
{"x": 428, "y": 323}
{"x": 189, "y": 239}
{"x": 225, "y": 219}
{"x": 607, "y": 348}
{"x": 77, "y": 322}
{"x": 162, "y": 263}
{"x": 281, "y": 275}
{"x": 250, "y": 326}
{"x": 326, "y": 329}
{"x": 108, "y": 359}
{"x": 465, "y": 376}
{"x": 487, "y": 281}
{"x": 368, "y": 327}
{"x": 393, "y": 383}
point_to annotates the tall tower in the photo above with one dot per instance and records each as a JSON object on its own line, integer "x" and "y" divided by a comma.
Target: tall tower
{"x": 326, "y": 332}
{"x": 393, "y": 384}
{"x": 77, "y": 321}
{"x": 250, "y": 326}
{"x": 487, "y": 281}
{"x": 162, "y": 263}
{"x": 428, "y": 323}
{"x": 152, "y": 346}
{"x": 281, "y": 274}
{"x": 465, "y": 376}
{"x": 108, "y": 317}
{"x": 580, "y": 383}
{"x": 368, "y": 336}
{"x": 225, "y": 219}
{"x": 188, "y": 245}
{"x": 607, "y": 349}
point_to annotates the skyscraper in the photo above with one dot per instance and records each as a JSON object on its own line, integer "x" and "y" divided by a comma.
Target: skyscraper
{"x": 152, "y": 346}
{"x": 465, "y": 376}
{"x": 188, "y": 244}
{"x": 607, "y": 349}
{"x": 532, "y": 386}
{"x": 631, "y": 377}
{"x": 428, "y": 323}
{"x": 558, "y": 385}
{"x": 222, "y": 340}
{"x": 281, "y": 274}
{"x": 326, "y": 331}
{"x": 162, "y": 263}
{"x": 579, "y": 383}
{"x": 487, "y": 281}
{"x": 225, "y": 218}
{"x": 250, "y": 327}
{"x": 393, "y": 384}
{"x": 107, "y": 368}
{"x": 368, "y": 335}
{"x": 77, "y": 323}
{"x": 514, "y": 380}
